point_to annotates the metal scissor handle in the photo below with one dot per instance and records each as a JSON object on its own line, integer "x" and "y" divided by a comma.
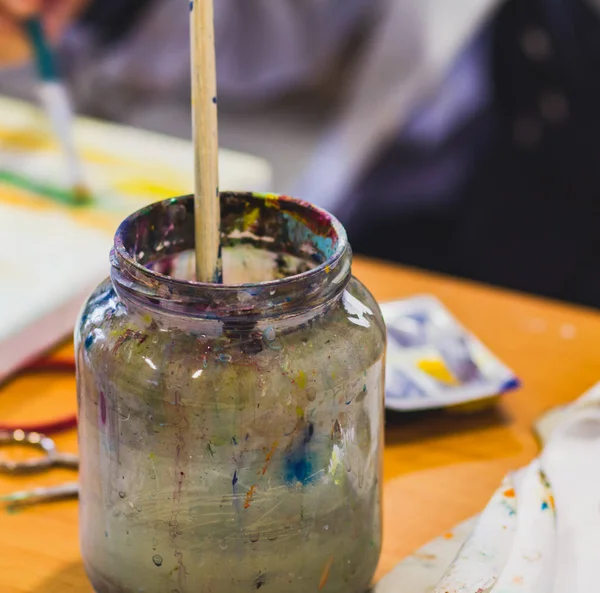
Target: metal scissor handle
{"x": 38, "y": 441}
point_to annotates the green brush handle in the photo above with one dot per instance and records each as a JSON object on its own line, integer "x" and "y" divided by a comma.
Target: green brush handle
{"x": 43, "y": 54}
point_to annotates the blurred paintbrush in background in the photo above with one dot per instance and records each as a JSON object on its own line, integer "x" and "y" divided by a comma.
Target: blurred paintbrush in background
{"x": 57, "y": 104}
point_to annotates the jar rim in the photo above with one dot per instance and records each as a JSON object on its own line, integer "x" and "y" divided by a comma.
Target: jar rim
{"x": 131, "y": 274}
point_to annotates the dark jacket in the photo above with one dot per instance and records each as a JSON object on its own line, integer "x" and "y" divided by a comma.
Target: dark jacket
{"x": 526, "y": 211}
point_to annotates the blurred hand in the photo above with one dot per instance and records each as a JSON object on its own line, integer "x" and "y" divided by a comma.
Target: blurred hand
{"x": 55, "y": 14}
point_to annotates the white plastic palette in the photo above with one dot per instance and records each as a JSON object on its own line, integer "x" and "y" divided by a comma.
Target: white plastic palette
{"x": 433, "y": 362}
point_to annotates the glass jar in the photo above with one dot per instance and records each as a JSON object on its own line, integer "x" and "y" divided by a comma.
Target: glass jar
{"x": 231, "y": 435}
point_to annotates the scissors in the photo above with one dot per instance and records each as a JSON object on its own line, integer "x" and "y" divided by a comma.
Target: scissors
{"x": 52, "y": 458}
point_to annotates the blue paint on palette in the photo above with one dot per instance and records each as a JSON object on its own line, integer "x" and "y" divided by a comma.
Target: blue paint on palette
{"x": 89, "y": 341}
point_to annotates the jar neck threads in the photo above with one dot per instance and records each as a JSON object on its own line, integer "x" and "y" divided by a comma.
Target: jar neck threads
{"x": 282, "y": 257}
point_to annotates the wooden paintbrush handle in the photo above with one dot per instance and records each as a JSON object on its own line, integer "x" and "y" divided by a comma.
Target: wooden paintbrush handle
{"x": 206, "y": 142}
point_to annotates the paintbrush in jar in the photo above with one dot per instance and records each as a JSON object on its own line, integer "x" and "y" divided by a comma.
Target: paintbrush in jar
{"x": 206, "y": 143}
{"x": 57, "y": 104}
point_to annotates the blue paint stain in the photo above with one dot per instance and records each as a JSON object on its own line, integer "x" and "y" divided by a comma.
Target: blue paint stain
{"x": 545, "y": 506}
{"x": 234, "y": 441}
{"x": 235, "y": 479}
{"x": 191, "y": 5}
{"x": 84, "y": 317}
{"x": 300, "y": 462}
{"x": 215, "y": 100}
{"x": 102, "y": 298}
{"x": 299, "y": 233}
{"x": 89, "y": 341}
{"x": 510, "y": 385}
{"x": 298, "y": 470}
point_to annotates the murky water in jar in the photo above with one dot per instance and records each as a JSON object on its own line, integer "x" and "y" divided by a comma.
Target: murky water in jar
{"x": 226, "y": 463}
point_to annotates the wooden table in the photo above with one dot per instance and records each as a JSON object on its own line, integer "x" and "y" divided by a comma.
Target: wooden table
{"x": 440, "y": 468}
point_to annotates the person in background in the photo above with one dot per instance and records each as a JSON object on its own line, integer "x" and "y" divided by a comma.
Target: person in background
{"x": 466, "y": 141}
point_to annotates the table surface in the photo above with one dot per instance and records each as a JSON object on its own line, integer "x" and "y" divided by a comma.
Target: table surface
{"x": 440, "y": 467}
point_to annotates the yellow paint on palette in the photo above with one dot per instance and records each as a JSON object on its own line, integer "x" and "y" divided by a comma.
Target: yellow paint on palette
{"x": 27, "y": 140}
{"x": 438, "y": 370}
{"x": 30, "y": 141}
{"x": 148, "y": 189}
{"x": 98, "y": 157}
{"x": 23, "y": 199}
{"x": 19, "y": 198}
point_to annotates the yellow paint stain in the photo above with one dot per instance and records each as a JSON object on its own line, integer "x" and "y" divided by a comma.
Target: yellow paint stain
{"x": 251, "y": 217}
{"x": 97, "y": 157}
{"x": 448, "y": 535}
{"x": 438, "y": 370}
{"x": 327, "y": 269}
{"x": 299, "y": 412}
{"x": 510, "y": 493}
{"x": 551, "y": 501}
{"x": 301, "y": 380}
{"x": 41, "y": 139}
{"x": 137, "y": 186}
{"x": 271, "y": 200}
{"x": 249, "y": 496}
{"x": 13, "y": 196}
{"x": 334, "y": 462}
{"x": 325, "y": 574}
{"x": 19, "y": 198}
{"x": 27, "y": 140}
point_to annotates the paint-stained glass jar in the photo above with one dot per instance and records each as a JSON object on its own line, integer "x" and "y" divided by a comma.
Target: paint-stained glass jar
{"x": 231, "y": 436}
